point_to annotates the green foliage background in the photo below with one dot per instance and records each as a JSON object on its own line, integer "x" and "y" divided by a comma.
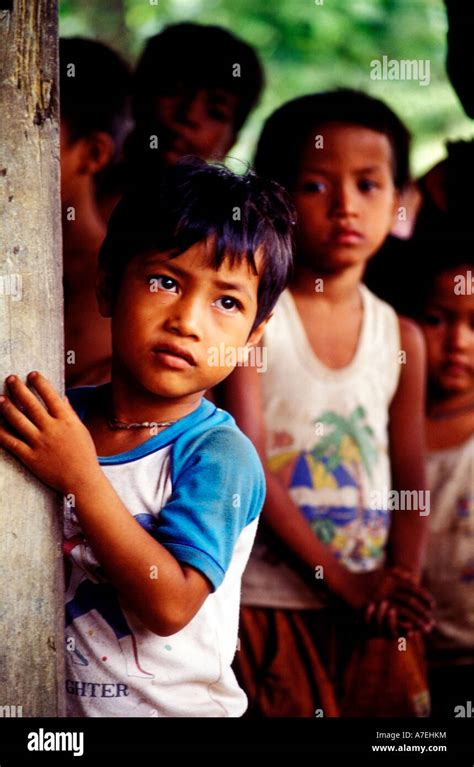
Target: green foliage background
{"x": 307, "y": 45}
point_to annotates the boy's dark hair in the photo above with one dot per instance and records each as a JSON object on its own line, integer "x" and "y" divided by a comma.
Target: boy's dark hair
{"x": 199, "y": 56}
{"x": 94, "y": 89}
{"x": 286, "y": 131}
{"x": 460, "y": 55}
{"x": 432, "y": 252}
{"x": 195, "y": 201}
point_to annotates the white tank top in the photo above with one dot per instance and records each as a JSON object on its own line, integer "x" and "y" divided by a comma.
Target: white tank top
{"x": 327, "y": 440}
{"x": 449, "y": 565}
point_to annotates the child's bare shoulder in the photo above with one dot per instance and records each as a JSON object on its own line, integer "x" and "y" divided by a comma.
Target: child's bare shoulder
{"x": 411, "y": 337}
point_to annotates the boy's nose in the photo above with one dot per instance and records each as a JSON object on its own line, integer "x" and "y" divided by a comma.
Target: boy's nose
{"x": 191, "y": 108}
{"x": 185, "y": 318}
{"x": 460, "y": 336}
{"x": 343, "y": 201}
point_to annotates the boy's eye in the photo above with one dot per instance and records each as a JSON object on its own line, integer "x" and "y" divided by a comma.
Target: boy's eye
{"x": 433, "y": 320}
{"x": 219, "y": 107}
{"x": 367, "y": 185}
{"x": 314, "y": 186}
{"x": 219, "y": 113}
{"x": 162, "y": 282}
{"x": 228, "y": 304}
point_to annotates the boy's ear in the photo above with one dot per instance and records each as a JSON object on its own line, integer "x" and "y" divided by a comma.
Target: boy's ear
{"x": 97, "y": 151}
{"x": 257, "y": 333}
{"x": 103, "y": 293}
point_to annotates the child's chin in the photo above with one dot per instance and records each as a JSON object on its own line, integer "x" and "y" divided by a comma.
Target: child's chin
{"x": 340, "y": 260}
{"x": 454, "y": 384}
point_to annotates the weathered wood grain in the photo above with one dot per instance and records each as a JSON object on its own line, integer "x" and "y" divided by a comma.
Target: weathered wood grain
{"x": 31, "y": 337}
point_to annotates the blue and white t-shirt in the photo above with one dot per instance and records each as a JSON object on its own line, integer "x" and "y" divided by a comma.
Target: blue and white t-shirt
{"x": 198, "y": 488}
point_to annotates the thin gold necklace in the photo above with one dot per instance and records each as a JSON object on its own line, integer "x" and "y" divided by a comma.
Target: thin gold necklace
{"x": 115, "y": 424}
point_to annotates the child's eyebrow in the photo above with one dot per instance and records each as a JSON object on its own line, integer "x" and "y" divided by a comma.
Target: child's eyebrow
{"x": 219, "y": 94}
{"x": 370, "y": 169}
{"x": 156, "y": 261}
{"x": 324, "y": 170}
{"x": 439, "y": 307}
{"x": 237, "y": 286}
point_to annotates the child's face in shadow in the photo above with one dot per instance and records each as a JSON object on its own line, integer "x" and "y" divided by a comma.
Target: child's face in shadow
{"x": 178, "y": 323}
{"x": 344, "y": 195}
{"x": 81, "y": 159}
{"x": 448, "y": 325}
{"x": 195, "y": 121}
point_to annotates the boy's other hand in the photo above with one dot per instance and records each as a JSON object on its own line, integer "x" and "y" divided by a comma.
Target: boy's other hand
{"x": 49, "y": 439}
{"x": 400, "y": 604}
{"x": 390, "y": 599}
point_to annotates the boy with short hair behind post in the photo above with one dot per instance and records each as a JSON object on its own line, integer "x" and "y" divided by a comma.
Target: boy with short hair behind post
{"x": 445, "y": 309}
{"x": 95, "y": 118}
{"x": 162, "y": 490}
{"x": 338, "y": 418}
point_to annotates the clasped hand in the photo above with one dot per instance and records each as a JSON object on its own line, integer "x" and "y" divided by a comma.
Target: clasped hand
{"x": 399, "y": 605}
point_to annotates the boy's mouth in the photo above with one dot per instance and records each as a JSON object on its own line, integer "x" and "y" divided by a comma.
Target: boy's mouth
{"x": 174, "y": 356}
{"x": 178, "y": 144}
{"x": 346, "y": 236}
{"x": 455, "y": 367}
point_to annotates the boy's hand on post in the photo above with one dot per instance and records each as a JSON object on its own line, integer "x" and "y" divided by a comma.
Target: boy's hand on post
{"x": 49, "y": 439}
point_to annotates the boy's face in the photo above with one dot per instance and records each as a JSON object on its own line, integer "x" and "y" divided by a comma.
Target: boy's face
{"x": 197, "y": 121}
{"x": 448, "y": 325}
{"x": 344, "y": 195}
{"x": 177, "y": 323}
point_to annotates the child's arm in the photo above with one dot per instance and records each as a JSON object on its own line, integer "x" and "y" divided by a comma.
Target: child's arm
{"x": 56, "y": 446}
{"x": 407, "y": 446}
{"x": 408, "y": 527}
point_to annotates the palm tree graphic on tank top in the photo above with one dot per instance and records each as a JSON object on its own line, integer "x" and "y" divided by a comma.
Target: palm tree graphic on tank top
{"x": 327, "y": 483}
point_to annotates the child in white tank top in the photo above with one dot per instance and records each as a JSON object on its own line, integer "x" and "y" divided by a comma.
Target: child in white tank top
{"x": 447, "y": 319}
{"x": 338, "y": 419}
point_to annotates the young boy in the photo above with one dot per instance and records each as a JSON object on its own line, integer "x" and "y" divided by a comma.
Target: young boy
{"x": 163, "y": 491}
{"x": 338, "y": 418}
{"x": 94, "y": 90}
{"x": 446, "y": 313}
{"x": 193, "y": 89}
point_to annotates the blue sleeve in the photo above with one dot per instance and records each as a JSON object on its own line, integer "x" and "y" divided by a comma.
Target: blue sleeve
{"x": 218, "y": 489}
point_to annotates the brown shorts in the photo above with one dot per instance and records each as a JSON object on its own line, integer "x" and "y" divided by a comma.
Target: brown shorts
{"x": 288, "y": 662}
{"x": 300, "y": 663}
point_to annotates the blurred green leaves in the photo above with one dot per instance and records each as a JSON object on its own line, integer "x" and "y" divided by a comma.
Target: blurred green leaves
{"x": 306, "y": 47}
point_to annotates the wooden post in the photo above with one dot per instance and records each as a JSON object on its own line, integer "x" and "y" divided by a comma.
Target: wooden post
{"x": 31, "y": 337}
